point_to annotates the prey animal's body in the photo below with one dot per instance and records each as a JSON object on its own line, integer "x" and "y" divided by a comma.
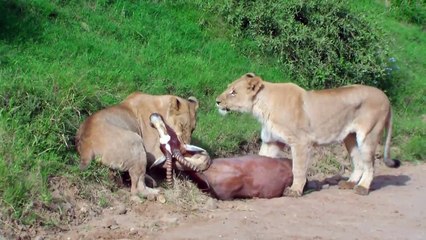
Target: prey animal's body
{"x": 225, "y": 178}
{"x": 250, "y": 176}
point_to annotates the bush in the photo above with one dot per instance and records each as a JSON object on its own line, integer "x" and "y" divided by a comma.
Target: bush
{"x": 322, "y": 43}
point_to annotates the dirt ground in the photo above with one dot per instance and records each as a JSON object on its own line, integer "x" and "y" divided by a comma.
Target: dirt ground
{"x": 395, "y": 209}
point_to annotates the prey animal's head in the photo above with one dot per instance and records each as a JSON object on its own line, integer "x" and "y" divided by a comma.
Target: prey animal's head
{"x": 188, "y": 157}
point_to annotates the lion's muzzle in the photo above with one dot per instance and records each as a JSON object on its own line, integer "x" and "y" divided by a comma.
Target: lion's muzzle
{"x": 222, "y": 110}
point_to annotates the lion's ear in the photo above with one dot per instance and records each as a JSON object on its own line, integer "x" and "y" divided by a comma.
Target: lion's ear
{"x": 175, "y": 105}
{"x": 255, "y": 84}
{"x": 250, "y": 75}
{"x": 194, "y": 101}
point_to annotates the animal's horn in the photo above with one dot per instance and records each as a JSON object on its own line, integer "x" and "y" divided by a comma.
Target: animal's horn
{"x": 169, "y": 171}
{"x": 193, "y": 149}
{"x": 178, "y": 155}
{"x": 158, "y": 161}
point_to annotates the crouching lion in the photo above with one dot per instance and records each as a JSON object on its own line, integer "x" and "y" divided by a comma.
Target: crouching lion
{"x": 291, "y": 115}
{"x": 122, "y": 137}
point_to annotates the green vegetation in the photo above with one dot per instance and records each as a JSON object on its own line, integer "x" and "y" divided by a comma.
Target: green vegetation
{"x": 413, "y": 11}
{"x": 408, "y": 90}
{"x": 60, "y": 61}
{"x": 321, "y": 43}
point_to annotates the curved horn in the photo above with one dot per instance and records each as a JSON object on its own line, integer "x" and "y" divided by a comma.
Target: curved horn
{"x": 159, "y": 161}
{"x": 178, "y": 155}
{"x": 193, "y": 149}
{"x": 169, "y": 170}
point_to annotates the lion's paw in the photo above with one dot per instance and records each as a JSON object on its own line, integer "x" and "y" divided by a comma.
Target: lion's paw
{"x": 135, "y": 199}
{"x": 361, "y": 190}
{"x": 346, "y": 184}
{"x": 149, "y": 193}
{"x": 288, "y": 192}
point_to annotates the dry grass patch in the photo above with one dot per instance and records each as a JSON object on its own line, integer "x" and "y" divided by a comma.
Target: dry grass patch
{"x": 185, "y": 194}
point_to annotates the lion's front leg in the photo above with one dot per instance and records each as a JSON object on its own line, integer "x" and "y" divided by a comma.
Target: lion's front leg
{"x": 270, "y": 147}
{"x": 301, "y": 154}
{"x": 271, "y": 150}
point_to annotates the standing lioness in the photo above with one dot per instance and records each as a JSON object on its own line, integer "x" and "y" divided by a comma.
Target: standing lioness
{"x": 122, "y": 137}
{"x": 289, "y": 114}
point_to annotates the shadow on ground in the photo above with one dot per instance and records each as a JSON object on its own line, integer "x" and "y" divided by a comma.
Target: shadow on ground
{"x": 383, "y": 181}
{"x": 379, "y": 182}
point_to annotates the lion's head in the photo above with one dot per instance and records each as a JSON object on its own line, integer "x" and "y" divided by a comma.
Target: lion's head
{"x": 182, "y": 117}
{"x": 240, "y": 94}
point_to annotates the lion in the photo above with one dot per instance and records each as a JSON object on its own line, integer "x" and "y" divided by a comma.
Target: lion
{"x": 122, "y": 138}
{"x": 355, "y": 114}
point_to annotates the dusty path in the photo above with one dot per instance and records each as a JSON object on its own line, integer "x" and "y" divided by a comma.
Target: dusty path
{"x": 396, "y": 209}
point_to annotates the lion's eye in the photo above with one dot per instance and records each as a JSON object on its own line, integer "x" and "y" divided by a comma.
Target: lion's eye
{"x": 232, "y": 93}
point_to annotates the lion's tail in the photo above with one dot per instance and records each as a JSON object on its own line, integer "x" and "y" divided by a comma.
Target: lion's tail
{"x": 393, "y": 163}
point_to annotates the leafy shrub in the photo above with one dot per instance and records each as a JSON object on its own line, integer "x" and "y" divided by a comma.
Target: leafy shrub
{"x": 322, "y": 43}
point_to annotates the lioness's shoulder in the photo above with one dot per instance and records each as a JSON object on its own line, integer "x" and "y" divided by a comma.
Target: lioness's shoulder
{"x": 135, "y": 95}
{"x": 140, "y": 98}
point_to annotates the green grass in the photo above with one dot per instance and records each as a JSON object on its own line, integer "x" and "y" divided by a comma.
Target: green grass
{"x": 410, "y": 99}
{"x": 60, "y": 61}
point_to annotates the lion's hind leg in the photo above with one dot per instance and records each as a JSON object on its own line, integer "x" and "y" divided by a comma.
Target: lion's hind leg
{"x": 362, "y": 188}
{"x": 137, "y": 171}
{"x": 367, "y": 150}
{"x": 354, "y": 153}
{"x": 126, "y": 152}
{"x": 137, "y": 176}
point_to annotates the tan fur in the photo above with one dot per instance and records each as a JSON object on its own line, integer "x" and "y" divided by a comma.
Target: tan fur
{"x": 122, "y": 138}
{"x": 355, "y": 115}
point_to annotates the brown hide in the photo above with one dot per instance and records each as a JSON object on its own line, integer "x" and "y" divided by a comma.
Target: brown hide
{"x": 246, "y": 177}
